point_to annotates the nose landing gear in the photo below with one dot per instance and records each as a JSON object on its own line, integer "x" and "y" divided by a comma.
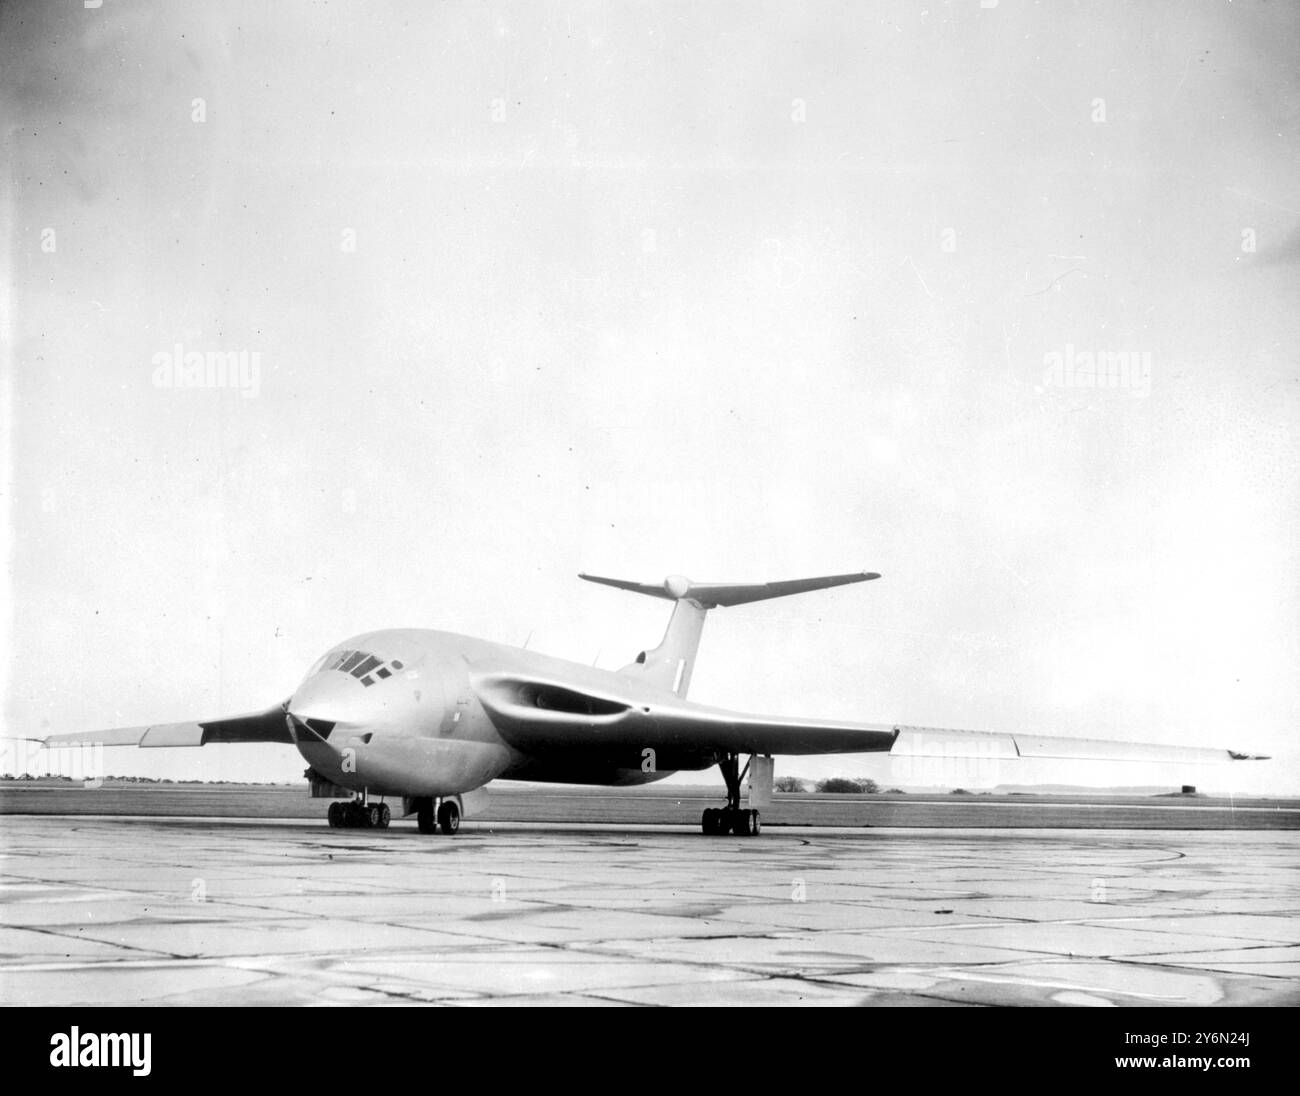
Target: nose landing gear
{"x": 446, "y": 817}
{"x": 359, "y": 813}
{"x": 449, "y": 817}
{"x": 719, "y": 821}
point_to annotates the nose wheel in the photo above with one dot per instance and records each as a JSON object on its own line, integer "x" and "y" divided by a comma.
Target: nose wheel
{"x": 445, "y": 817}
{"x": 449, "y": 818}
{"x": 720, "y": 821}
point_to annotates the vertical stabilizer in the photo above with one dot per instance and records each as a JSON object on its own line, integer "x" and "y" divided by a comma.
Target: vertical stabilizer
{"x": 669, "y": 665}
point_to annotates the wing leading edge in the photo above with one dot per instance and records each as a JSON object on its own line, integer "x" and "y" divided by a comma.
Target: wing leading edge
{"x": 265, "y": 726}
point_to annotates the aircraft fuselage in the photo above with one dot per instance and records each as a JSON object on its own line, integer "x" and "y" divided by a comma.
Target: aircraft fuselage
{"x": 396, "y": 713}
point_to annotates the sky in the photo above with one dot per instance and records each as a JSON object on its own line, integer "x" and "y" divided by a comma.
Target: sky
{"x": 737, "y": 291}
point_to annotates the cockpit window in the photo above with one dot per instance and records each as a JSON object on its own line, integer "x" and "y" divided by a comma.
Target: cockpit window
{"x": 338, "y": 659}
{"x": 362, "y": 665}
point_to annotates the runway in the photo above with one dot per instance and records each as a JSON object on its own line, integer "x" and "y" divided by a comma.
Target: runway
{"x": 186, "y": 911}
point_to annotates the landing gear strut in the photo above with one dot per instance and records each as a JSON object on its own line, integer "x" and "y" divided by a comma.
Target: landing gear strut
{"x": 718, "y": 822}
{"x": 360, "y": 813}
{"x": 446, "y": 817}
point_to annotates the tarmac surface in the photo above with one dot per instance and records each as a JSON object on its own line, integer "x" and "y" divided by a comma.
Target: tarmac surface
{"x": 202, "y": 911}
{"x": 658, "y": 804}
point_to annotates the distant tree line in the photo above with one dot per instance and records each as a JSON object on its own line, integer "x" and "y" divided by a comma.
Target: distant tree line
{"x": 831, "y": 785}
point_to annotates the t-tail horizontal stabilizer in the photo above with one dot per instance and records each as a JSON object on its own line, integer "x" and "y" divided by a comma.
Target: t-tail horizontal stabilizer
{"x": 669, "y": 665}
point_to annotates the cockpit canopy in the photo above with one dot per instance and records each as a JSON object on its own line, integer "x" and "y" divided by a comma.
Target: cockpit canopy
{"x": 362, "y": 665}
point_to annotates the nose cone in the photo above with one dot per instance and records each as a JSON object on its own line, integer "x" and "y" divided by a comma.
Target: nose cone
{"x": 335, "y": 707}
{"x": 330, "y": 698}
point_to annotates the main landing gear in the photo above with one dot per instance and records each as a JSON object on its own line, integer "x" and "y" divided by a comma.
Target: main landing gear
{"x": 719, "y": 821}
{"x": 359, "y": 813}
{"x": 446, "y": 817}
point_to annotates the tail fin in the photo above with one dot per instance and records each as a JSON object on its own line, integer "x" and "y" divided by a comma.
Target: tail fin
{"x": 670, "y": 664}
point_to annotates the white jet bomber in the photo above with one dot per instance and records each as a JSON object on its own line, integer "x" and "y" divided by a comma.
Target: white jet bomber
{"x": 431, "y": 716}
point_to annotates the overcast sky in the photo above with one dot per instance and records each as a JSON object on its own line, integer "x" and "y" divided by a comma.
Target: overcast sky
{"x": 741, "y": 291}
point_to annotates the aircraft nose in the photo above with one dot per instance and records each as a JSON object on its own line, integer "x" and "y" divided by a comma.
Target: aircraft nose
{"x": 326, "y": 700}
